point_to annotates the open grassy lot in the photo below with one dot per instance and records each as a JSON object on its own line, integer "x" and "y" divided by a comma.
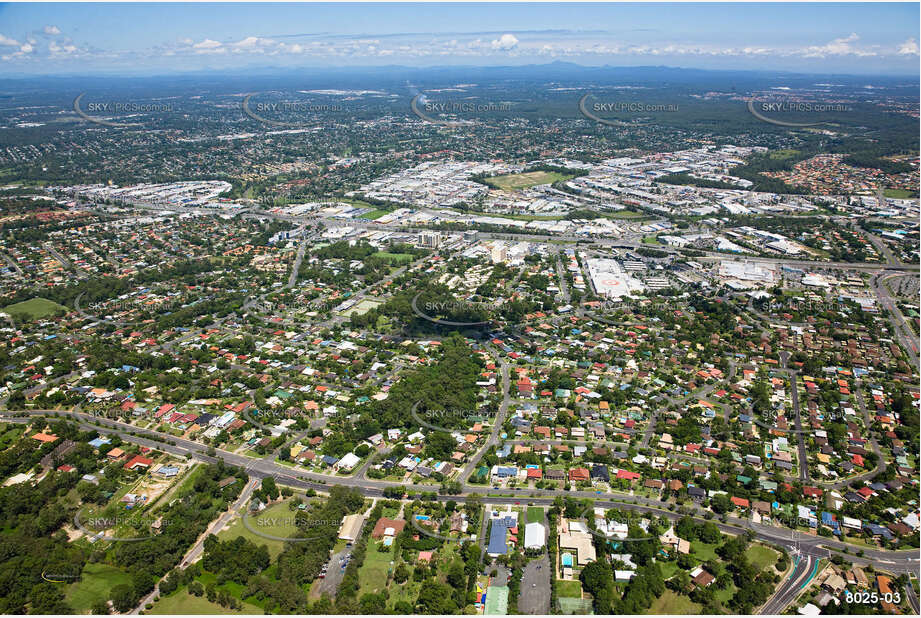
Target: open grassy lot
{"x": 704, "y": 551}
{"x": 672, "y": 603}
{"x": 374, "y": 214}
{"x": 566, "y": 588}
{"x": 761, "y": 556}
{"x": 394, "y": 257}
{"x": 625, "y": 214}
{"x": 95, "y": 585}
{"x": 514, "y": 182}
{"x": 668, "y": 568}
{"x": 9, "y": 434}
{"x": 372, "y": 576}
{"x": 535, "y": 514}
{"x": 277, "y": 520}
{"x": 34, "y": 309}
{"x": 181, "y": 602}
{"x": 784, "y": 153}
{"x": 898, "y": 193}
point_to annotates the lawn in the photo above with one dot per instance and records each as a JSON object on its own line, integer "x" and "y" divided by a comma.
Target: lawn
{"x": 783, "y": 153}
{"x": 394, "y": 257}
{"x": 668, "y": 568}
{"x": 374, "y": 214}
{"x": 898, "y": 193}
{"x": 704, "y": 551}
{"x": 625, "y": 214}
{"x": 34, "y": 309}
{"x": 651, "y": 240}
{"x": 514, "y": 182}
{"x": 761, "y": 556}
{"x": 95, "y": 584}
{"x": 372, "y": 576}
{"x": 10, "y": 435}
{"x": 672, "y": 603}
{"x": 566, "y": 588}
{"x": 181, "y": 602}
{"x": 277, "y": 520}
{"x": 535, "y": 514}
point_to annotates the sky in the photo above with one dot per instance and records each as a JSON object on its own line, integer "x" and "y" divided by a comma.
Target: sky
{"x": 135, "y": 38}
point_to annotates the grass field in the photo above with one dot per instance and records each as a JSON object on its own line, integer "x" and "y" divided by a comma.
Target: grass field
{"x": 668, "y": 569}
{"x": 651, "y": 240}
{"x": 10, "y": 434}
{"x": 277, "y": 520}
{"x": 672, "y": 603}
{"x": 784, "y": 153}
{"x": 34, "y": 309}
{"x": 394, "y": 257}
{"x": 372, "y": 576}
{"x": 514, "y": 182}
{"x": 625, "y": 214}
{"x": 704, "y": 551}
{"x": 96, "y": 583}
{"x": 535, "y": 514}
{"x": 898, "y": 193}
{"x": 761, "y": 556}
{"x": 566, "y": 588}
{"x": 374, "y": 214}
{"x": 181, "y": 602}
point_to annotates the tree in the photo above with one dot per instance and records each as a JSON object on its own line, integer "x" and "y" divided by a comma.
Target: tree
{"x": 100, "y": 607}
{"x": 436, "y": 598}
{"x": 123, "y": 597}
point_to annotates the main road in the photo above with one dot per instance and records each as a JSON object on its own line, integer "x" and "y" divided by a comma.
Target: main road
{"x": 815, "y": 546}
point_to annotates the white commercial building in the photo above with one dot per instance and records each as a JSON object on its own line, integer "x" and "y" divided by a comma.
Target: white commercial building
{"x": 535, "y": 535}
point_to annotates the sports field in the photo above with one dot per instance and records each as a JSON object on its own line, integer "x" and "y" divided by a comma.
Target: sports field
{"x": 34, "y": 309}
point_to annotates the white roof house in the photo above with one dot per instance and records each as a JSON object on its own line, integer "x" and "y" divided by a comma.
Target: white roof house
{"x": 348, "y": 461}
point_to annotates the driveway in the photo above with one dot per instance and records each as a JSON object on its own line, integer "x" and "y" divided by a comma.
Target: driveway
{"x": 534, "y": 597}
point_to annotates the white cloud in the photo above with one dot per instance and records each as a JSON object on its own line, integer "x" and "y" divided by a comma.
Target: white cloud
{"x": 59, "y": 51}
{"x": 52, "y": 30}
{"x": 253, "y": 43}
{"x": 506, "y": 41}
{"x": 207, "y": 44}
{"x": 8, "y": 42}
{"x": 838, "y": 47}
{"x": 909, "y": 48}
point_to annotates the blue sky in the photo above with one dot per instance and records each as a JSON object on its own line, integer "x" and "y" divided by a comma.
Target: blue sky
{"x": 854, "y": 38}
